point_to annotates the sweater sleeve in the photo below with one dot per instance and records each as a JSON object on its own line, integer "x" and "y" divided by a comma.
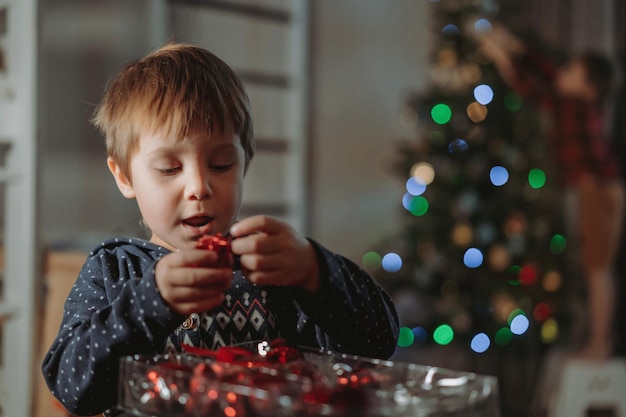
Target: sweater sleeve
{"x": 111, "y": 311}
{"x": 351, "y": 312}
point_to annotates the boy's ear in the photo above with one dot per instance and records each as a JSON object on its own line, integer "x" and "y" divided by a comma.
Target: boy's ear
{"x": 123, "y": 183}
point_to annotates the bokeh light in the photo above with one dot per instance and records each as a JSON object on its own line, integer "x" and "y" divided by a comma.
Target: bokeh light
{"x": 536, "y": 178}
{"x": 441, "y": 113}
{"x": 528, "y": 274}
{"x": 423, "y": 172}
{"x": 549, "y": 331}
{"x": 483, "y": 26}
{"x": 520, "y": 324}
{"x": 415, "y": 186}
{"x": 499, "y": 258}
{"x": 552, "y": 281}
{"x": 503, "y": 336}
{"x": 476, "y": 112}
{"x": 457, "y": 146}
{"x": 480, "y": 343}
{"x": 498, "y": 175}
{"x": 418, "y": 206}
{"x": 450, "y": 29}
{"x": 512, "y": 101}
{"x": 558, "y": 244}
{"x": 514, "y": 313}
{"x": 443, "y": 334}
{"x": 473, "y": 258}
{"x": 421, "y": 335}
{"x": 371, "y": 260}
{"x": 483, "y": 94}
{"x": 514, "y": 271}
{"x": 406, "y": 200}
{"x": 405, "y": 337}
{"x": 447, "y": 57}
{"x": 462, "y": 234}
{"x": 542, "y": 311}
{"x": 392, "y": 262}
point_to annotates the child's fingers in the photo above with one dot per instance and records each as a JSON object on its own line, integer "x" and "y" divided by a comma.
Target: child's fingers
{"x": 256, "y": 224}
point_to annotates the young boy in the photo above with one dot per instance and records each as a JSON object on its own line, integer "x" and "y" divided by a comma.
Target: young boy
{"x": 573, "y": 95}
{"x": 179, "y": 140}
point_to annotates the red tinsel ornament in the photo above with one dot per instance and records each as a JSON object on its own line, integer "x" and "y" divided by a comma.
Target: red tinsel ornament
{"x": 221, "y": 245}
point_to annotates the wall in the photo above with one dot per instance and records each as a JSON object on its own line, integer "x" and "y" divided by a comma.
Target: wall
{"x": 367, "y": 55}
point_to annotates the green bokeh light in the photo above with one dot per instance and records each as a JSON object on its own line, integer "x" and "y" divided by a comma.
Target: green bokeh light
{"x": 503, "y": 336}
{"x": 418, "y": 206}
{"x": 514, "y": 270}
{"x": 512, "y": 101}
{"x": 371, "y": 260}
{"x": 516, "y": 312}
{"x": 536, "y": 178}
{"x": 406, "y": 337}
{"x": 443, "y": 334}
{"x": 558, "y": 244}
{"x": 441, "y": 113}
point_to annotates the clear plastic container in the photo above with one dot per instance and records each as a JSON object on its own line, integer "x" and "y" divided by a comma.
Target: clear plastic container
{"x": 318, "y": 384}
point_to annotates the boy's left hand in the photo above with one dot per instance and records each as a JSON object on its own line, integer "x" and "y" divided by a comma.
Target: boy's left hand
{"x": 273, "y": 253}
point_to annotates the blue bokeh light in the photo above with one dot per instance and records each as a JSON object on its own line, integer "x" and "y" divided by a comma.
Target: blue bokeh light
{"x": 519, "y": 324}
{"x": 457, "y": 146}
{"x": 480, "y": 343}
{"x": 450, "y": 29}
{"x": 499, "y": 175}
{"x": 483, "y": 94}
{"x": 415, "y": 187}
{"x": 473, "y": 258}
{"x": 392, "y": 262}
{"x": 483, "y": 26}
{"x": 421, "y": 335}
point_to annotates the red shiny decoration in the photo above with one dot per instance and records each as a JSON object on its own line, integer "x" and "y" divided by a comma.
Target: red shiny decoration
{"x": 220, "y": 244}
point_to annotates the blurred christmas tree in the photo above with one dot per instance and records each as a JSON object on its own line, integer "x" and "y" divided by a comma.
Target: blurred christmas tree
{"x": 483, "y": 245}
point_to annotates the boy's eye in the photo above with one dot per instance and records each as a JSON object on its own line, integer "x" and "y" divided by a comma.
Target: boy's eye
{"x": 220, "y": 167}
{"x": 169, "y": 171}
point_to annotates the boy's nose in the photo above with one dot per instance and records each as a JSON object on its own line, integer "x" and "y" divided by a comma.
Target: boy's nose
{"x": 198, "y": 187}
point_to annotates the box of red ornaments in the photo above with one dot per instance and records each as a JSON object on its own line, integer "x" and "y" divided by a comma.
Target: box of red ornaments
{"x": 263, "y": 379}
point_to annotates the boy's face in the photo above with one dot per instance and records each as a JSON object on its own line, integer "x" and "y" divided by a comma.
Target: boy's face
{"x": 185, "y": 188}
{"x": 571, "y": 81}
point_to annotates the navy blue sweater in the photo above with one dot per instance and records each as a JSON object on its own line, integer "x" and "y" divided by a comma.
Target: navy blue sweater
{"x": 114, "y": 309}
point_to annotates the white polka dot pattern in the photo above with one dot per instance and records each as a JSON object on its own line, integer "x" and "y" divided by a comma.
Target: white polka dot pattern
{"x": 114, "y": 309}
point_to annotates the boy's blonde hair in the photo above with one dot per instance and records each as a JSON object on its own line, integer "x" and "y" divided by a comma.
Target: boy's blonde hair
{"x": 179, "y": 88}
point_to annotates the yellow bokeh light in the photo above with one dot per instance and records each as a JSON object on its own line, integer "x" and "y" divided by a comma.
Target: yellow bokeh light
{"x": 549, "y": 331}
{"x": 476, "y": 112}
{"x": 462, "y": 234}
{"x": 499, "y": 258}
{"x": 423, "y": 172}
{"x": 552, "y": 281}
{"x": 447, "y": 58}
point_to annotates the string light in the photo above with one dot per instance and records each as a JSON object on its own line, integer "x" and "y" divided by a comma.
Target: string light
{"x": 558, "y": 244}
{"x": 483, "y": 94}
{"x": 499, "y": 176}
{"x": 536, "y": 178}
{"x": 392, "y": 262}
{"x": 371, "y": 260}
{"x": 480, "y": 343}
{"x": 441, "y": 113}
{"x": 443, "y": 334}
{"x": 473, "y": 258}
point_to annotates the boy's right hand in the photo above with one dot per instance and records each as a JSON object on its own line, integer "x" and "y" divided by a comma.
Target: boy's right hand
{"x": 189, "y": 283}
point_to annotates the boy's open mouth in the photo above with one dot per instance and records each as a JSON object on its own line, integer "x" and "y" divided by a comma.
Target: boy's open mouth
{"x": 198, "y": 221}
